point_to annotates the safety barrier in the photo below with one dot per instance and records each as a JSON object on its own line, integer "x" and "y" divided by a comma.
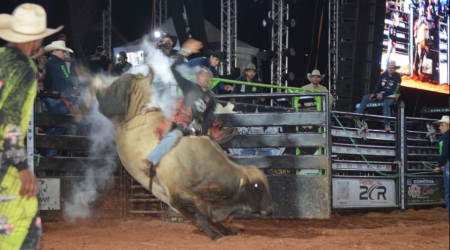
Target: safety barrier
{"x": 81, "y": 181}
{"x": 384, "y": 169}
{"x": 295, "y": 193}
{"x": 314, "y": 164}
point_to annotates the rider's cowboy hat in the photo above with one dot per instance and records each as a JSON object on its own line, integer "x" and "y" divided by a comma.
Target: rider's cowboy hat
{"x": 250, "y": 66}
{"x": 393, "y": 65}
{"x": 27, "y": 23}
{"x": 444, "y": 119}
{"x": 61, "y": 45}
{"x": 315, "y": 72}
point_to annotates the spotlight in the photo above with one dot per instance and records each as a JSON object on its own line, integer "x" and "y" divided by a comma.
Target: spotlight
{"x": 266, "y": 22}
{"x": 118, "y": 55}
{"x": 291, "y": 23}
{"x": 289, "y": 52}
{"x": 288, "y": 77}
{"x": 157, "y": 34}
{"x": 265, "y": 55}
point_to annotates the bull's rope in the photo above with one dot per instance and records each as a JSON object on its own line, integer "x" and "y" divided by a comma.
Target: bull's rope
{"x": 141, "y": 112}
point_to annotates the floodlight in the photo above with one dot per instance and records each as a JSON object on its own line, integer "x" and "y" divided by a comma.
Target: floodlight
{"x": 288, "y": 77}
{"x": 291, "y": 23}
{"x": 265, "y": 55}
{"x": 289, "y": 52}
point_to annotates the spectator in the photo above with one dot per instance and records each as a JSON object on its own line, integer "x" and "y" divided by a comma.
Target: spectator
{"x": 41, "y": 61}
{"x": 56, "y": 79}
{"x": 24, "y": 31}
{"x": 99, "y": 63}
{"x": 211, "y": 62}
{"x": 167, "y": 44}
{"x": 37, "y": 53}
{"x": 67, "y": 58}
{"x": 315, "y": 77}
{"x": 123, "y": 65}
{"x": 443, "y": 163}
{"x": 388, "y": 84}
{"x": 249, "y": 76}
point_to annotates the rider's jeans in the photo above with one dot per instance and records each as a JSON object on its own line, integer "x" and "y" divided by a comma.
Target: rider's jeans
{"x": 165, "y": 145}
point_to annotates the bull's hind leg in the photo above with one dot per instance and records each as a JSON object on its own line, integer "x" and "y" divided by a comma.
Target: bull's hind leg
{"x": 188, "y": 209}
{"x": 224, "y": 230}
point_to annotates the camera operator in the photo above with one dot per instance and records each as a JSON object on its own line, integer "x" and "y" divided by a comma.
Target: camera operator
{"x": 166, "y": 44}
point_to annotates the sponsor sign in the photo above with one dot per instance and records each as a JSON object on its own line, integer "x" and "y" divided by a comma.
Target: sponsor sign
{"x": 351, "y": 192}
{"x": 49, "y": 194}
{"x": 423, "y": 190}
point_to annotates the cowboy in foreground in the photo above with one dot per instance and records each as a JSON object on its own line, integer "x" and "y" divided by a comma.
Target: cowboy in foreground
{"x": 24, "y": 30}
{"x": 443, "y": 164}
{"x": 388, "y": 84}
{"x": 315, "y": 77}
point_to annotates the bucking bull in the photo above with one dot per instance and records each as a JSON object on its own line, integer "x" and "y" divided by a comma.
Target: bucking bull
{"x": 196, "y": 178}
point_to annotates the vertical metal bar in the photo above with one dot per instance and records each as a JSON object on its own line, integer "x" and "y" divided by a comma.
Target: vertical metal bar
{"x": 30, "y": 141}
{"x": 401, "y": 133}
{"x": 411, "y": 40}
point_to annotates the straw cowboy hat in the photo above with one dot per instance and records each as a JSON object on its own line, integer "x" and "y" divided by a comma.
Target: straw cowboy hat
{"x": 250, "y": 66}
{"x": 315, "y": 72}
{"x": 57, "y": 45}
{"x": 27, "y": 23}
{"x": 393, "y": 65}
{"x": 444, "y": 119}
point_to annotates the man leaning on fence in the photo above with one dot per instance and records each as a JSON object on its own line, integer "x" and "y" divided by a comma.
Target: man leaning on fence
{"x": 315, "y": 77}
{"x": 23, "y": 30}
{"x": 56, "y": 81}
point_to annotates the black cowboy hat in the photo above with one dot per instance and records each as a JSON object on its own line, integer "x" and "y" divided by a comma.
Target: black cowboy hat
{"x": 219, "y": 54}
{"x": 173, "y": 38}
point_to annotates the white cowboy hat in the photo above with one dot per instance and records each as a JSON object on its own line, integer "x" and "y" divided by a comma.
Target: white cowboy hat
{"x": 393, "y": 65}
{"x": 27, "y": 23}
{"x": 250, "y": 66}
{"x": 444, "y": 119}
{"x": 57, "y": 45}
{"x": 315, "y": 72}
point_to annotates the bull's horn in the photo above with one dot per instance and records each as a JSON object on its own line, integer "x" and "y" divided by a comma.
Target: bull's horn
{"x": 242, "y": 182}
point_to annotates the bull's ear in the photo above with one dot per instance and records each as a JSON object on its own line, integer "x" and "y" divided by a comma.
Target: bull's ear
{"x": 242, "y": 182}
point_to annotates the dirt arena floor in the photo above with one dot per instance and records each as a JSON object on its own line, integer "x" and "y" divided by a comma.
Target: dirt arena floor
{"x": 413, "y": 229}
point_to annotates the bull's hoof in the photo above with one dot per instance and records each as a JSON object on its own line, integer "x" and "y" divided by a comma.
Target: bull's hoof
{"x": 215, "y": 236}
{"x": 231, "y": 233}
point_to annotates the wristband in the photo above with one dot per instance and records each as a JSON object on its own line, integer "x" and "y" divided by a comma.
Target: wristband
{"x": 186, "y": 50}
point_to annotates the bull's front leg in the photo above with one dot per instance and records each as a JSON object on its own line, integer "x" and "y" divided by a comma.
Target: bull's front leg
{"x": 188, "y": 209}
{"x": 224, "y": 230}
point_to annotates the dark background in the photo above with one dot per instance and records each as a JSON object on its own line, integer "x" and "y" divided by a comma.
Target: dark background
{"x": 132, "y": 19}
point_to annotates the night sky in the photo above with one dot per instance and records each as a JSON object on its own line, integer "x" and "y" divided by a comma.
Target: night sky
{"x": 132, "y": 19}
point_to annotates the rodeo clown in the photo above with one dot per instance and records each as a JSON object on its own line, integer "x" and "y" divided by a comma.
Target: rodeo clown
{"x": 194, "y": 113}
{"x": 24, "y": 30}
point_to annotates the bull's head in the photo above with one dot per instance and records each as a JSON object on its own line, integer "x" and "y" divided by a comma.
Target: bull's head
{"x": 257, "y": 197}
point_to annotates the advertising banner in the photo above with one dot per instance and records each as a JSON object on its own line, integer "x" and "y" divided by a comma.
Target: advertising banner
{"x": 354, "y": 192}
{"x": 49, "y": 193}
{"x": 424, "y": 190}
